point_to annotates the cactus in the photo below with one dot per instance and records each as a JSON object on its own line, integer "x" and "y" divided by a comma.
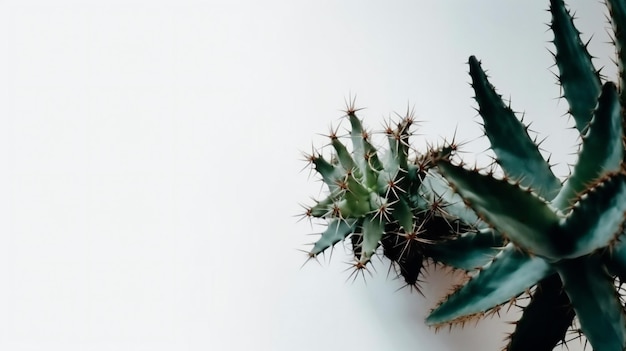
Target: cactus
{"x": 561, "y": 243}
{"x": 565, "y": 241}
{"x": 395, "y": 200}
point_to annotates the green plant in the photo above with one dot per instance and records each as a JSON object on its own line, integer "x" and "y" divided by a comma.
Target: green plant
{"x": 394, "y": 200}
{"x": 561, "y": 242}
{"x": 567, "y": 240}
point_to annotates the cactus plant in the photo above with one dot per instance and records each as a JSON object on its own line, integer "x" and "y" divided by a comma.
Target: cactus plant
{"x": 394, "y": 200}
{"x": 560, "y": 242}
{"x": 567, "y": 240}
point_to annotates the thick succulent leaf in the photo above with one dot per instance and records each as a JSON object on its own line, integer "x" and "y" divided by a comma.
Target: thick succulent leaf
{"x": 336, "y": 231}
{"x": 596, "y": 220}
{"x": 468, "y": 251}
{"x": 602, "y": 147}
{"x": 511, "y": 273}
{"x": 515, "y": 151}
{"x": 617, "y": 9}
{"x": 578, "y": 77}
{"x": 525, "y": 219}
{"x": 595, "y": 301}
{"x": 343, "y": 155}
{"x": 545, "y": 319}
{"x": 372, "y": 230}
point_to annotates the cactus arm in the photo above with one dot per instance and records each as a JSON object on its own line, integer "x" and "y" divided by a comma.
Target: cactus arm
{"x": 478, "y": 248}
{"x": 343, "y": 155}
{"x": 545, "y": 319}
{"x": 365, "y": 154}
{"x": 330, "y": 173}
{"x": 617, "y": 9}
{"x": 597, "y": 219}
{"x": 515, "y": 151}
{"x": 578, "y": 77}
{"x": 372, "y": 231}
{"x": 398, "y": 143}
{"x": 336, "y": 231}
{"x": 396, "y": 179}
{"x": 595, "y": 301}
{"x": 602, "y": 147}
{"x": 511, "y": 273}
{"x": 518, "y": 214}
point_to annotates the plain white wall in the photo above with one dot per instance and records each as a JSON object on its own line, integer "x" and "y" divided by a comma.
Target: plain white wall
{"x": 151, "y": 162}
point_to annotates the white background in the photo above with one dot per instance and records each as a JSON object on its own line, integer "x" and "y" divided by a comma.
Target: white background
{"x": 151, "y": 162}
